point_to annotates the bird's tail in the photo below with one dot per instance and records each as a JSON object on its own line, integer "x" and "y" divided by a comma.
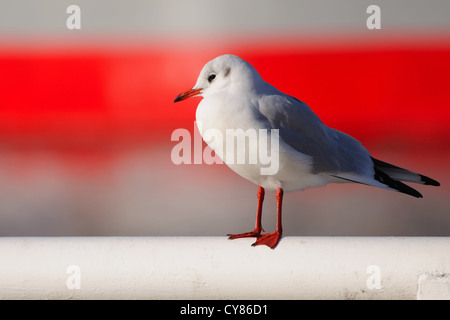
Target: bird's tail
{"x": 392, "y": 176}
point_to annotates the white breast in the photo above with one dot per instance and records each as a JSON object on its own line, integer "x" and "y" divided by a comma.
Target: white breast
{"x": 287, "y": 168}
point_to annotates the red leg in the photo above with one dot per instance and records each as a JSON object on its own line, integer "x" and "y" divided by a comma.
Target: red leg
{"x": 271, "y": 239}
{"x": 258, "y": 228}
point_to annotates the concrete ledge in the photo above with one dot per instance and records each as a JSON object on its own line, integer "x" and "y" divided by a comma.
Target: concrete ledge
{"x": 216, "y": 268}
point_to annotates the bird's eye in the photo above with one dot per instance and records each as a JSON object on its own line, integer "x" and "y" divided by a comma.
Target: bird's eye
{"x": 211, "y": 77}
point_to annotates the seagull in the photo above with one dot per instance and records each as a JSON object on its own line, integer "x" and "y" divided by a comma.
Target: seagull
{"x": 311, "y": 154}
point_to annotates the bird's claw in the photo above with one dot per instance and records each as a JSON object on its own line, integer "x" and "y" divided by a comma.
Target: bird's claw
{"x": 269, "y": 239}
{"x": 252, "y": 234}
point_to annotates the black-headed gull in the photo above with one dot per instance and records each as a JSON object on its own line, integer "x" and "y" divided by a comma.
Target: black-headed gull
{"x": 310, "y": 154}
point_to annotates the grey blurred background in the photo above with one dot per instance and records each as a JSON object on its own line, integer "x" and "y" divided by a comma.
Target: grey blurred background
{"x": 158, "y": 18}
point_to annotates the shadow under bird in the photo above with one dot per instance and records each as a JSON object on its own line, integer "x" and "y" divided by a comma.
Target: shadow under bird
{"x": 310, "y": 154}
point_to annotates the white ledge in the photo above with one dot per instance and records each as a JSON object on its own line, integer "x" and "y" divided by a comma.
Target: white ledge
{"x": 216, "y": 268}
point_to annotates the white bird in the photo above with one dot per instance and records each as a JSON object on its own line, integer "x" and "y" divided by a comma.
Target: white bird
{"x": 310, "y": 153}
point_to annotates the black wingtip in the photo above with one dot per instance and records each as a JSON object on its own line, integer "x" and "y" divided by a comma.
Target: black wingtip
{"x": 429, "y": 181}
{"x": 394, "y": 184}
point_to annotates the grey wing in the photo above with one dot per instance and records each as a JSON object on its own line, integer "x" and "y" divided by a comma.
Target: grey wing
{"x": 333, "y": 152}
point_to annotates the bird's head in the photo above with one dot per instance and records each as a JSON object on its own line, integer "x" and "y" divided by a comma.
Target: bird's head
{"x": 226, "y": 72}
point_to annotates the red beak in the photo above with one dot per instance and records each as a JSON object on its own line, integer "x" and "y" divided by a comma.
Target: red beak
{"x": 188, "y": 94}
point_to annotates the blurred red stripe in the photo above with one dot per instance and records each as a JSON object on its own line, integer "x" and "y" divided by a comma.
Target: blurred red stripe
{"x": 104, "y": 96}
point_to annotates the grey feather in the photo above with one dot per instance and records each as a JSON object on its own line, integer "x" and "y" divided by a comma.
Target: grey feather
{"x": 333, "y": 151}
